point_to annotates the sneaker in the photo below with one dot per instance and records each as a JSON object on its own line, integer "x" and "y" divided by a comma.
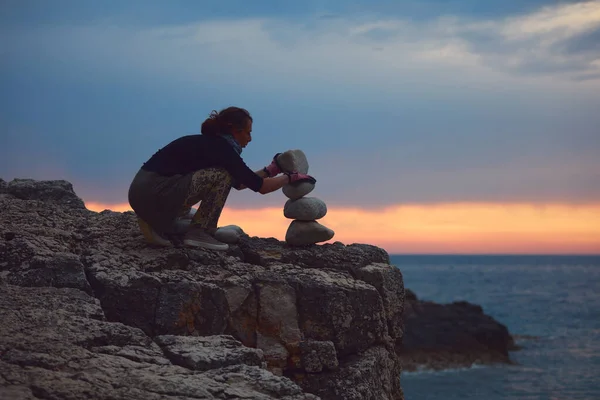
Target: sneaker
{"x": 198, "y": 237}
{"x": 151, "y": 235}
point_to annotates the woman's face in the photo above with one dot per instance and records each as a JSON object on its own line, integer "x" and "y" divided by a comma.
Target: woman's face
{"x": 243, "y": 136}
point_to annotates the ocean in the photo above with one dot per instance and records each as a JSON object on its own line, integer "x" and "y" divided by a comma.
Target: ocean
{"x": 550, "y": 303}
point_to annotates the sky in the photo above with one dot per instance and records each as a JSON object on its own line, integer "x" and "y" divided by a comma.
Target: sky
{"x": 457, "y": 126}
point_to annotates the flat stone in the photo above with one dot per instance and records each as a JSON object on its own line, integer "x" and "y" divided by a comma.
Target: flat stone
{"x": 234, "y": 228}
{"x": 302, "y": 233}
{"x": 208, "y": 352}
{"x": 293, "y": 161}
{"x": 305, "y": 209}
{"x": 229, "y": 234}
{"x": 294, "y": 191}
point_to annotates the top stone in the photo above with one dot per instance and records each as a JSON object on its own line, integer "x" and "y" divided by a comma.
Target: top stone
{"x": 293, "y": 161}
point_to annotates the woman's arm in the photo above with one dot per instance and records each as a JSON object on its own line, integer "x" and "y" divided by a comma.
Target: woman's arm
{"x": 261, "y": 172}
{"x": 272, "y": 184}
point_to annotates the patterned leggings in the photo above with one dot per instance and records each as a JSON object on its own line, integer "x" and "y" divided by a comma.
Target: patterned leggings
{"x": 210, "y": 187}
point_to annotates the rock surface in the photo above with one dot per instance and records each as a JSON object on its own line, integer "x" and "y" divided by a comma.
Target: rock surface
{"x": 89, "y": 310}
{"x": 202, "y": 353}
{"x": 57, "y": 192}
{"x": 302, "y": 233}
{"x": 305, "y": 209}
{"x": 73, "y": 352}
{"x": 441, "y": 336}
{"x": 133, "y": 321}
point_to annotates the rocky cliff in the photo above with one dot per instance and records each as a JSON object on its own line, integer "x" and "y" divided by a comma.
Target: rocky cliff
{"x": 89, "y": 310}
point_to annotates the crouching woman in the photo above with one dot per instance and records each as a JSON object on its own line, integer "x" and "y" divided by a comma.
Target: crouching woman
{"x": 200, "y": 168}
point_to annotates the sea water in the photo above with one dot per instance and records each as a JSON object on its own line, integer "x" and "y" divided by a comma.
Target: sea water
{"x": 551, "y": 304}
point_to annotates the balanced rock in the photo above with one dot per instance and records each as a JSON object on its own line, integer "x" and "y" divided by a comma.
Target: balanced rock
{"x": 297, "y": 190}
{"x": 305, "y": 209}
{"x": 229, "y": 234}
{"x": 302, "y": 233}
{"x": 293, "y": 161}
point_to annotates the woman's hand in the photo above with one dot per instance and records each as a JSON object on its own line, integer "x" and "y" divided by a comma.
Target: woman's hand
{"x": 298, "y": 177}
{"x": 274, "y": 168}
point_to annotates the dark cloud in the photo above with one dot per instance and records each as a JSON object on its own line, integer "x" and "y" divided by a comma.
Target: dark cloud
{"x": 572, "y": 57}
{"x": 587, "y": 76}
{"x": 587, "y": 42}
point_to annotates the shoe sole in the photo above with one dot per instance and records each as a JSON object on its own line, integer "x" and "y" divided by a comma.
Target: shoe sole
{"x": 209, "y": 246}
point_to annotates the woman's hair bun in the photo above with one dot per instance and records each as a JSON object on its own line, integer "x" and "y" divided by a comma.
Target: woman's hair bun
{"x": 219, "y": 123}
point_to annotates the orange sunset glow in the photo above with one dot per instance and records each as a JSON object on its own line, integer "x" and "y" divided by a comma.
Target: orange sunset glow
{"x": 462, "y": 228}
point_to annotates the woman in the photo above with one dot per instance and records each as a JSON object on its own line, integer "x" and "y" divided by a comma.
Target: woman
{"x": 200, "y": 168}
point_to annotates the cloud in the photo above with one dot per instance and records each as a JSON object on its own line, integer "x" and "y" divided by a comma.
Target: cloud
{"x": 389, "y": 110}
{"x": 587, "y": 43}
{"x": 343, "y": 49}
{"x": 539, "y": 43}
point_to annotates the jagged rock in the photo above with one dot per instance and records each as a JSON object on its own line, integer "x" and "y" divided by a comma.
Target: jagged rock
{"x": 368, "y": 375}
{"x": 3, "y": 186}
{"x": 305, "y": 209}
{"x": 302, "y": 233}
{"x": 208, "y": 352}
{"x": 409, "y": 295}
{"x": 260, "y": 381}
{"x": 293, "y": 161}
{"x": 329, "y": 256}
{"x": 339, "y": 302}
{"x": 441, "y": 336}
{"x": 277, "y": 321}
{"x": 58, "y": 191}
{"x": 268, "y": 295}
{"x": 294, "y": 191}
{"x": 58, "y": 270}
{"x": 73, "y": 353}
{"x": 317, "y": 356}
{"x": 229, "y": 234}
{"x": 160, "y": 306}
{"x": 389, "y": 282}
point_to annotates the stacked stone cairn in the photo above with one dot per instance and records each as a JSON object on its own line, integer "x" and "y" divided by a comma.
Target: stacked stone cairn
{"x": 304, "y": 211}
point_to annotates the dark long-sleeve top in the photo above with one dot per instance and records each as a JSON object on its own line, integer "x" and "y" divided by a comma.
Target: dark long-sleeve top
{"x": 194, "y": 152}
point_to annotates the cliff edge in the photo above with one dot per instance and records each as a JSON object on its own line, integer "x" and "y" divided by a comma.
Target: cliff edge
{"x": 89, "y": 310}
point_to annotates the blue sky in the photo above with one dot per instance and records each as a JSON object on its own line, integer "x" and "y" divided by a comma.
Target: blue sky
{"x": 392, "y": 101}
